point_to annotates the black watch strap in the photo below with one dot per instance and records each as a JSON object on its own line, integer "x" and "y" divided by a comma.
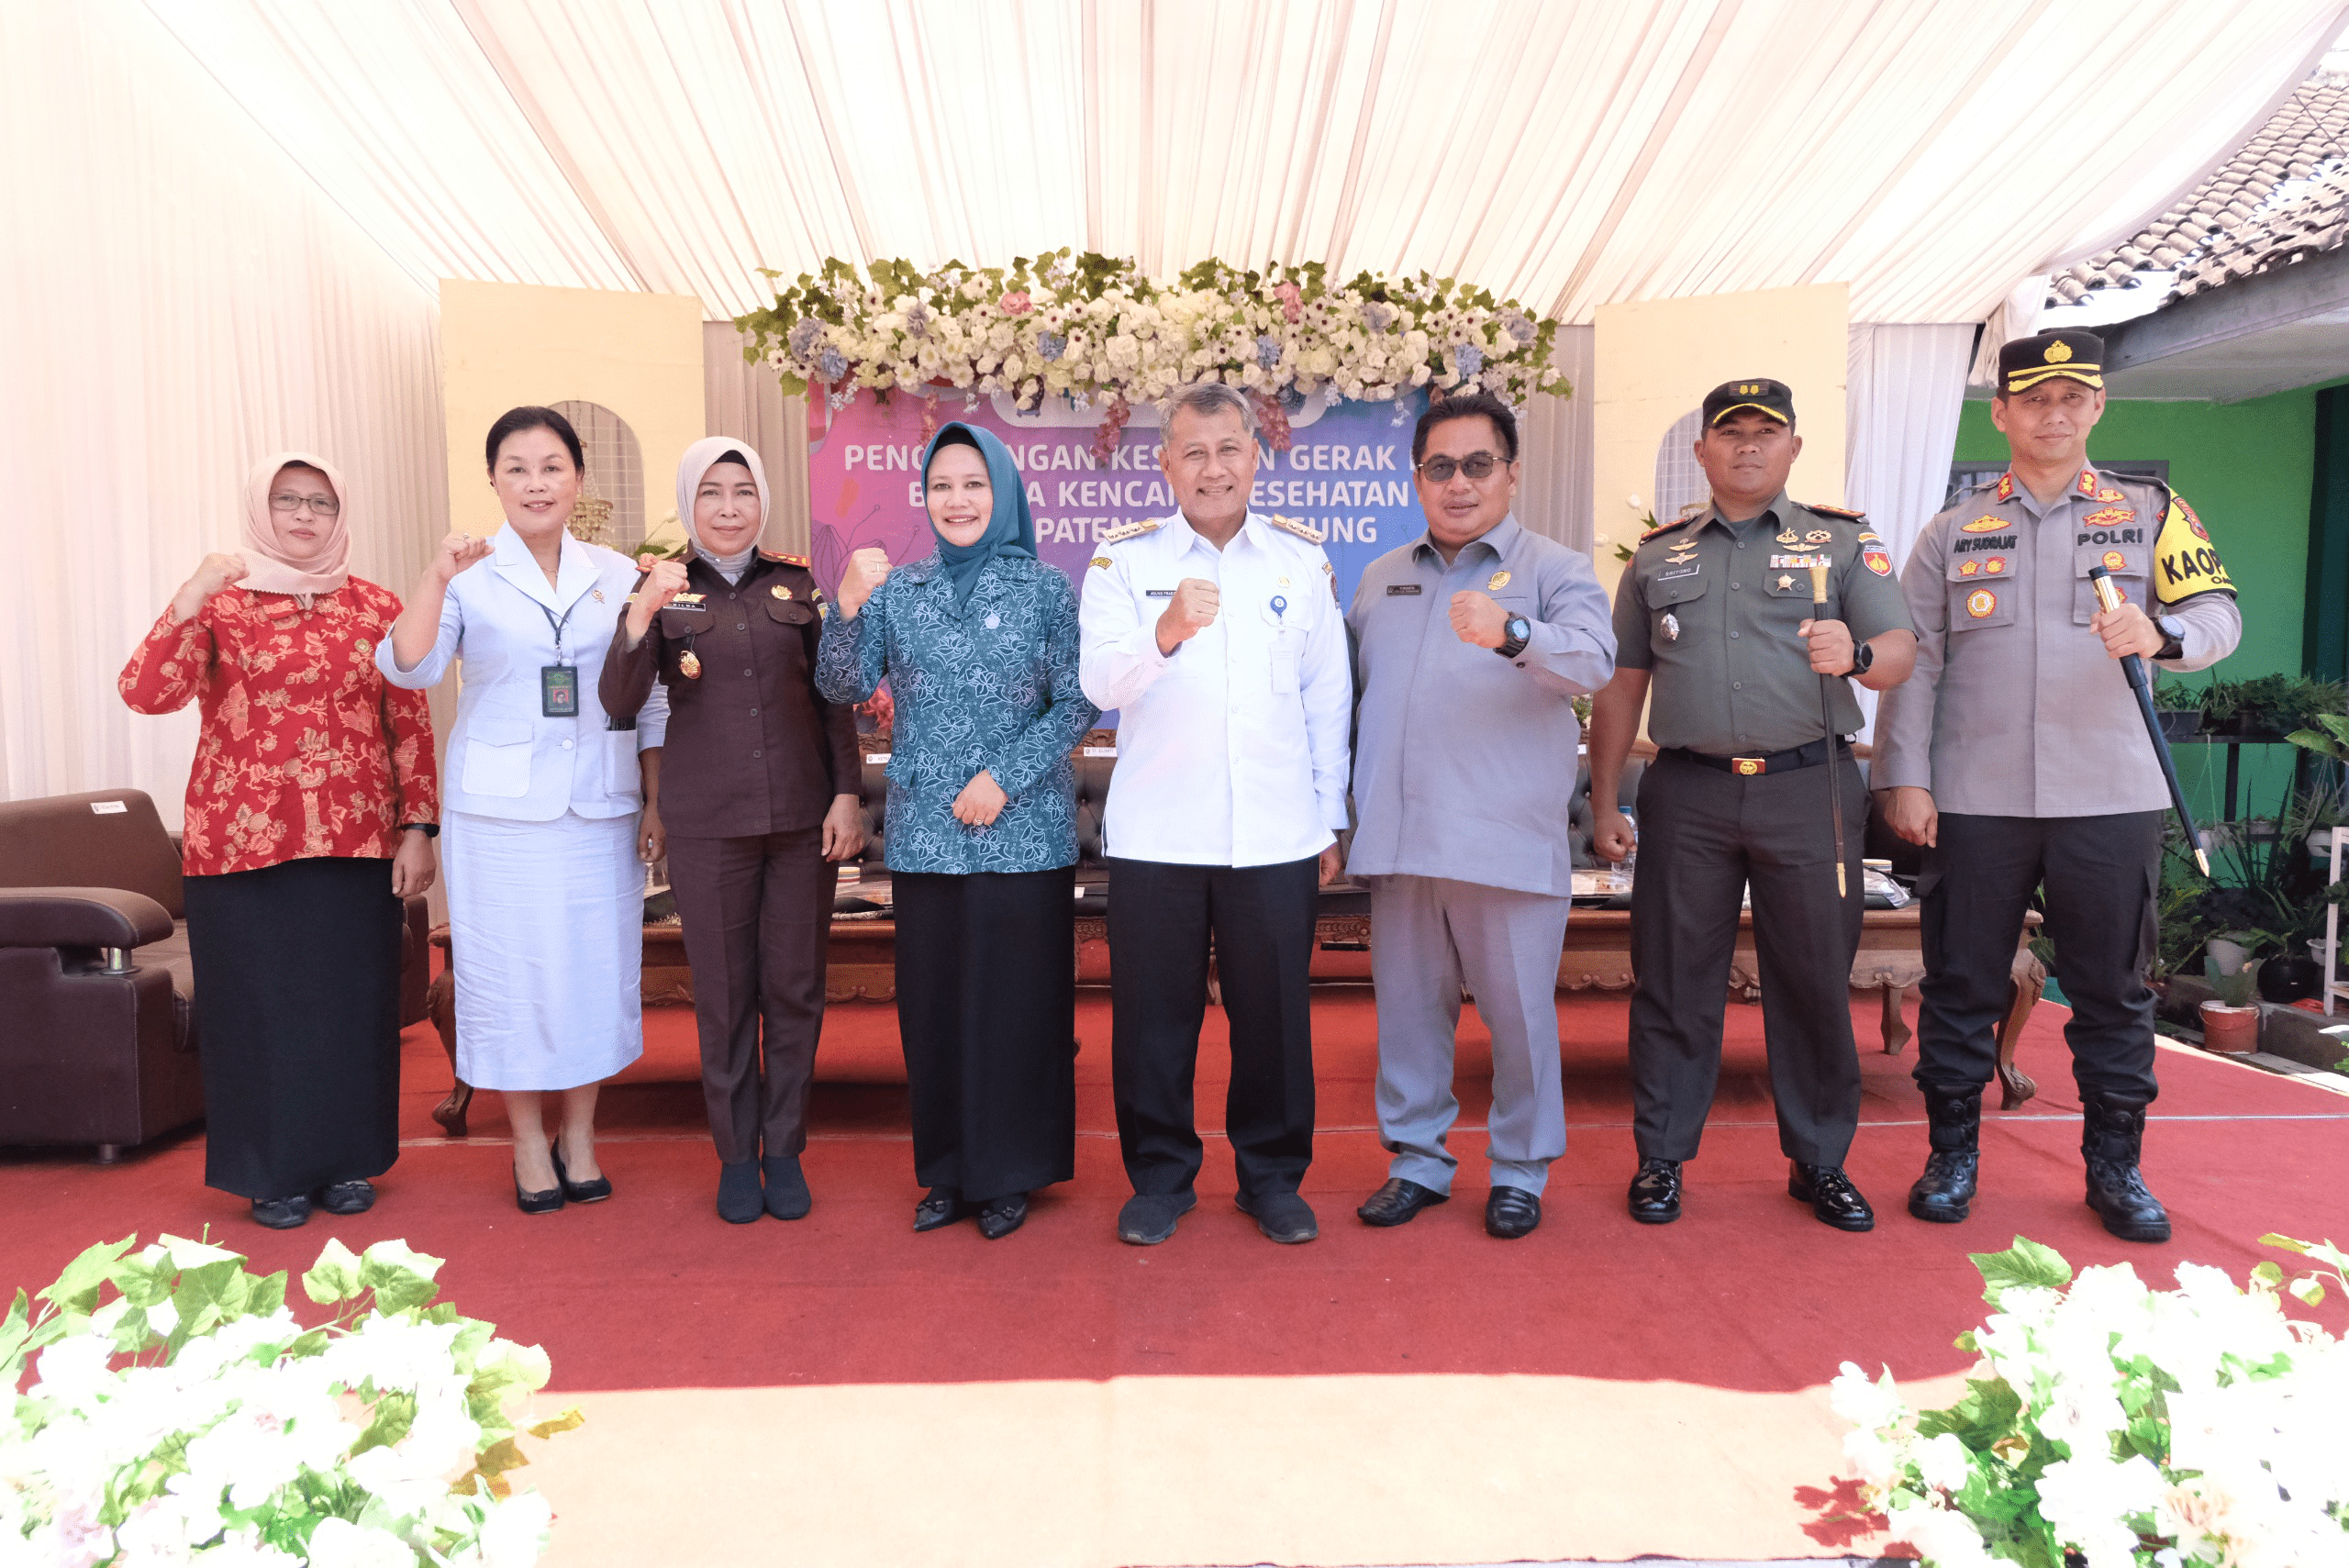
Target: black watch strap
{"x": 1513, "y": 640}
{"x": 1862, "y": 660}
{"x": 429, "y": 829}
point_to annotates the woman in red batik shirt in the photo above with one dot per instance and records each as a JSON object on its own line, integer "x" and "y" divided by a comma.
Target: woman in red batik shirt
{"x": 310, "y": 814}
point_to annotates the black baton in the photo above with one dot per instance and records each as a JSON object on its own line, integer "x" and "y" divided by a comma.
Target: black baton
{"x": 2133, "y": 667}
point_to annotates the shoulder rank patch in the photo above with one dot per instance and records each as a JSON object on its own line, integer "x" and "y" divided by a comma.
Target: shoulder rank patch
{"x": 1130, "y": 531}
{"x": 2089, "y": 482}
{"x": 2184, "y": 563}
{"x": 1101, "y": 561}
{"x": 1667, "y": 527}
{"x": 785, "y": 560}
{"x": 2108, "y": 493}
{"x": 1845, "y": 512}
{"x": 2007, "y": 486}
{"x": 1300, "y": 528}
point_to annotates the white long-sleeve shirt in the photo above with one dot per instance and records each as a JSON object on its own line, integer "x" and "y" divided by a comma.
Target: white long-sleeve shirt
{"x": 1233, "y": 750}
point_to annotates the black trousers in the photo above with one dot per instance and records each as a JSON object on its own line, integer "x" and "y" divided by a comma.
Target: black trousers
{"x": 298, "y": 982}
{"x": 2102, "y": 875}
{"x": 986, "y": 1007}
{"x": 757, "y": 912}
{"x": 1161, "y": 918}
{"x": 1705, "y": 836}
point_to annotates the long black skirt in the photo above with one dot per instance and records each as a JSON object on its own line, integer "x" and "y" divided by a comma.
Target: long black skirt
{"x": 297, "y": 974}
{"x": 986, "y": 1007}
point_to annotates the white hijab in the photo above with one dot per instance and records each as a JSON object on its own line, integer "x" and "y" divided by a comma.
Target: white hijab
{"x": 698, "y": 459}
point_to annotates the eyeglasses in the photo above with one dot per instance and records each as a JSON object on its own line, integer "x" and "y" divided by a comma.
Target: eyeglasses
{"x": 323, "y": 506}
{"x": 1476, "y": 465}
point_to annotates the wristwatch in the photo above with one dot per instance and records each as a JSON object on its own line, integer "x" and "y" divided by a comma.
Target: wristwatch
{"x": 1862, "y": 660}
{"x": 1516, "y": 632}
{"x": 2173, "y": 632}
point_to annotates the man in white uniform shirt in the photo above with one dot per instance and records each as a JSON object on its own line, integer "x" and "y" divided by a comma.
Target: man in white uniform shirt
{"x": 1215, "y": 634}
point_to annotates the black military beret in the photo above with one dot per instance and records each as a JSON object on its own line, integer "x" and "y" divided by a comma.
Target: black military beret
{"x": 2027, "y": 362}
{"x": 1771, "y": 397}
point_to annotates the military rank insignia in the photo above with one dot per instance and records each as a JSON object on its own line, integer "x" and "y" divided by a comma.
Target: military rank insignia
{"x": 2109, "y": 517}
{"x": 1984, "y": 525}
{"x": 1994, "y": 566}
{"x": 1100, "y": 561}
{"x": 1969, "y": 568}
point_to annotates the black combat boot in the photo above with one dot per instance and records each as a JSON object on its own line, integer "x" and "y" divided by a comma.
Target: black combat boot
{"x": 2112, "y": 1136}
{"x": 1944, "y": 1193}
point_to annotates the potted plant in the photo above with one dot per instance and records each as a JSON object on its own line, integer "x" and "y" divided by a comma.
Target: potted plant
{"x": 2179, "y": 709}
{"x": 2269, "y": 707}
{"x": 2231, "y": 1021}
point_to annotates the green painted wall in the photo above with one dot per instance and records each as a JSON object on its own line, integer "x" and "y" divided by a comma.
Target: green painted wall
{"x": 2247, "y": 468}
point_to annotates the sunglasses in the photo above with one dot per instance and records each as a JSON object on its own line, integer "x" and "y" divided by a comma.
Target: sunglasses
{"x": 1476, "y": 465}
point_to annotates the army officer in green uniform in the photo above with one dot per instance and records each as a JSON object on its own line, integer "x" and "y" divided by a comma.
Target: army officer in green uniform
{"x": 2018, "y": 759}
{"x": 1714, "y": 615}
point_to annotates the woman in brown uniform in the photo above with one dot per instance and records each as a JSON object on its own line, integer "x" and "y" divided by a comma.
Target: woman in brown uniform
{"x": 758, "y": 798}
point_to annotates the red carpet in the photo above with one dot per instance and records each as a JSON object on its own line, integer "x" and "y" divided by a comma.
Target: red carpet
{"x": 1747, "y": 1293}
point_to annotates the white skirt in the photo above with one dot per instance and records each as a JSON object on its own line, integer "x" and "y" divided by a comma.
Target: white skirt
{"x": 546, "y": 935}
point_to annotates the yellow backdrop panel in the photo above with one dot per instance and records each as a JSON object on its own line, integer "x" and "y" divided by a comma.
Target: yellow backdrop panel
{"x": 503, "y": 345}
{"x": 1656, "y": 358}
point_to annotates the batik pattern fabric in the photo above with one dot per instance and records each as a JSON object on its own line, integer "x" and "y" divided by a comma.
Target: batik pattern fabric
{"x": 305, "y": 750}
{"x": 993, "y": 687}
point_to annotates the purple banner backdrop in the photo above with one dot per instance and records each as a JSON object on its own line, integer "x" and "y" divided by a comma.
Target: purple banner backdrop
{"x": 1348, "y": 472}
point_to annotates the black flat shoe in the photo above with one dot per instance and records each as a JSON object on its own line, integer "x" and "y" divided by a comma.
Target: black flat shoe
{"x": 1511, "y": 1212}
{"x": 739, "y": 1200}
{"x": 1002, "y": 1216}
{"x": 787, "y": 1195}
{"x": 282, "y": 1213}
{"x": 1655, "y": 1192}
{"x": 355, "y": 1196}
{"x": 595, "y": 1191}
{"x": 1397, "y": 1202}
{"x": 943, "y": 1206}
{"x": 546, "y": 1202}
{"x": 1833, "y": 1199}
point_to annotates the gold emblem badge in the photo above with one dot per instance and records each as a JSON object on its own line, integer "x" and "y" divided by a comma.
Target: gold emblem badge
{"x": 1747, "y": 767}
{"x": 598, "y": 593}
{"x": 690, "y": 663}
{"x": 1980, "y": 603}
{"x": 2058, "y": 351}
{"x": 780, "y": 592}
{"x": 2114, "y": 560}
{"x": 1280, "y": 582}
{"x": 1497, "y": 580}
{"x": 1818, "y": 536}
{"x": 1789, "y": 536}
{"x": 1968, "y": 568}
{"x": 1671, "y": 623}
{"x": 1984, "y": 525}
{"x": 1100, "y": 561}
{"x": 1685, "y": 556}
{"x": 1785, "y": 582}
{"x": 1995, "y": 565}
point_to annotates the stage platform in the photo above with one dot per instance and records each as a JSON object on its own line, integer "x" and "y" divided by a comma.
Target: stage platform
{"x": 840, "y": 1391}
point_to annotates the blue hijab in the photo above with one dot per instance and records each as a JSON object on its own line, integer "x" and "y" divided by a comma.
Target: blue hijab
{"x": 1010, "y": 532}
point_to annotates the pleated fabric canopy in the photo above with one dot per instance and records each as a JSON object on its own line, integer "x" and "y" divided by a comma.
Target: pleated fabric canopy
{"x": 1567, "y": 153}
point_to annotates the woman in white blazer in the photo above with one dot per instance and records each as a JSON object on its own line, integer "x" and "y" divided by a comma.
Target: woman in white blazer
{"x": 546, "y": 907}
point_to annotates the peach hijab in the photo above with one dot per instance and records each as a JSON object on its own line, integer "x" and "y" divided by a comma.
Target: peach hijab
{"x": 277, "y": 563}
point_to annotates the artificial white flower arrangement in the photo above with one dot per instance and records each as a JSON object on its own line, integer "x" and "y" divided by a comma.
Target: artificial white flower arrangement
{"x": 1092, "y": 326}
{"x": 188, "y": 1418}
{"x": 2123, "y": 1426}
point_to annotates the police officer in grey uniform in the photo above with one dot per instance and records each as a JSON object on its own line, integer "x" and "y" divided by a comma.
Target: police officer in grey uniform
{"x": 2018, "y": 757}
{"x": 1716, "y": 611}
{"x": 1470, "y": 645}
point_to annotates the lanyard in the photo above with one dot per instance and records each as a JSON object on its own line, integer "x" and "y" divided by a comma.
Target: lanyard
{"x": 558, "y": 625}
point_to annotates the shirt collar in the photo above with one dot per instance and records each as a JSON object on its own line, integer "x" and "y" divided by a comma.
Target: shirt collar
{"x": 1500, "y": 539}
{"x": 1776, "y": 509}
{"x": 575, "y": 572}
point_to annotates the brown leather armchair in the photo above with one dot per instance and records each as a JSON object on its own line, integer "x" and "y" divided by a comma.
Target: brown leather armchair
{"x": 95, "y": 982}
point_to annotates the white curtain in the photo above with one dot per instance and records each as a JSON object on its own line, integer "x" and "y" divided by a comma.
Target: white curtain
{"x": 177, "y": 300}
{"x": 1556, "y": 434}
{"x": 1904, "y": 388}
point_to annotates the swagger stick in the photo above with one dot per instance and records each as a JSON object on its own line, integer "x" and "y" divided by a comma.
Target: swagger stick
{"x": 2109, "y": 595}
{"x": 1827, "y": 712}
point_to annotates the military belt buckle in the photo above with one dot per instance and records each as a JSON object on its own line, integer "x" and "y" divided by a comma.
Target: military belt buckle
{"x": 1749, "y": 767}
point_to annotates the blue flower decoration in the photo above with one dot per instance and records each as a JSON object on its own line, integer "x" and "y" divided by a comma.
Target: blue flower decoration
{"x": 832, "y": 364}
{"x": 1268, "y": 351}
{"x": 1051, "y": 345}
{"x": 1469, "y": 358}
{"x": 804, "y": 334}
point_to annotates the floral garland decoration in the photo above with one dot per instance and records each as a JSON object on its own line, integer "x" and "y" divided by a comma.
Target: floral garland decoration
{"x": 2120, "y": 1426}
{"x": 1089, "y": 327}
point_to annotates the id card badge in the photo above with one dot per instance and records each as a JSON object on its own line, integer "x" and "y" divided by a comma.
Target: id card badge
{"x": 559, "y": 691}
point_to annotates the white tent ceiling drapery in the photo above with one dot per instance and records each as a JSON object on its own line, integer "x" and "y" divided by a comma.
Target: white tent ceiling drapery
{"x": 1928, "y": 151}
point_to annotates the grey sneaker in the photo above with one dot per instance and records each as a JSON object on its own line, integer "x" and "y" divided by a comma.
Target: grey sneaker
{"x": 1148, "y": 1219}
{"x": 1282, "y": 1216}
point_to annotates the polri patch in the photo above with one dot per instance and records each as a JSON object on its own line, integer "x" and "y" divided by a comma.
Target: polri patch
{"x": 1981, "y": 602}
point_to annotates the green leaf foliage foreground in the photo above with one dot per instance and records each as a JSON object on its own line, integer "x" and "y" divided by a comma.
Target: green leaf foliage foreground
{"x": 178, "y": 1411}
{"x": 2119, "y": 1426}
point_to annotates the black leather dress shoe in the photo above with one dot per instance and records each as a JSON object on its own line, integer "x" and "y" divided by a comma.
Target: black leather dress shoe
{"x": 595, "y": 1191}
{"x": 1511, "y": 1212}
{"x": 1655, "y": 1192}
{"x": 1002, "y": 1216}
{"x": 739, "y": 1201}
{"x": 942, "y": 1207}
{"x": 282, "y": 1213}
{"x": 354, "y": 1197}
{"x": 1833, "y": 1197}
{"x": 1398, "y": 1201}
{"x": 787, "y": 1193}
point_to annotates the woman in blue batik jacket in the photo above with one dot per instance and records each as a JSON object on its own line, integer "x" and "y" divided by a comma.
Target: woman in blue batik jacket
{"x": 978, "y": 641}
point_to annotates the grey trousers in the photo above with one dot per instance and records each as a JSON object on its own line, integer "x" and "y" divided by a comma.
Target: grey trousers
{"x": 1433, "y": 935}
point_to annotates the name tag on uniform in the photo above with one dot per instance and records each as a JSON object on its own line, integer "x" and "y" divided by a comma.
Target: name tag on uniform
{"x": 1401, "y": 590}
{"x": 558, "y": 691}
{"x": 686, "y": 602}
{"x": 1161, "y": 593}
{"x": 1668, "y": 576}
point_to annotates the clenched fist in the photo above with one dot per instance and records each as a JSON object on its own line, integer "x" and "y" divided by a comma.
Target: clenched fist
{"x": 457, "y": 551}
{"x": 867, "y": 570}
{"x": 212, "y": 575}
{"x": 1478, "y": 619}
{"x": 1193, "y": 608}
{"x": 1831, "y": 653}
{"x": 664, "y": 581}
